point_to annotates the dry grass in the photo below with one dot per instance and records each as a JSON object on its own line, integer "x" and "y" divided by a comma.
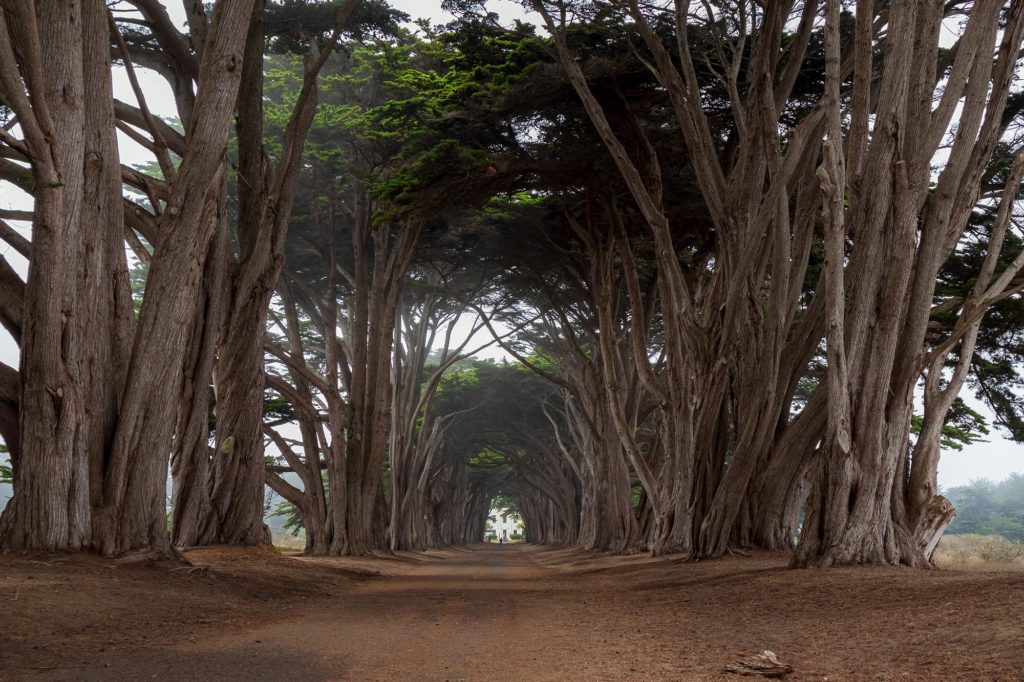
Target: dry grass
{"x": 980, "y": 552}
{"x": 289, "y": 542}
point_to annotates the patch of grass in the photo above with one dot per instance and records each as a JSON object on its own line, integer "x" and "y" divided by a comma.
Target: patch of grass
{"x": 979, "y": 551}
{"x": 288, "y": 543}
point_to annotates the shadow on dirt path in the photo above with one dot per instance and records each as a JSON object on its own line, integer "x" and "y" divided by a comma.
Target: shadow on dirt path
{"x": 519, "y": 612}
{"x": 456, "y": 615}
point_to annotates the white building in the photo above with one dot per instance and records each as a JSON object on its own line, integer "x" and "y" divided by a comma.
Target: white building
{"x": 503, "y": 524}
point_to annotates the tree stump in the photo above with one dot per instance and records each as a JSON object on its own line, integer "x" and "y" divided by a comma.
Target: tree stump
{"x": 935, "y": 519}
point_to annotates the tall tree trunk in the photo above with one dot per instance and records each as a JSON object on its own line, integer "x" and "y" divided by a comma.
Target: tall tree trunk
{"x": 50, "y": 509}
{"x": 191, "y": 458}
{"x": 382, "y": 256}
{"x": 237, "y": 473}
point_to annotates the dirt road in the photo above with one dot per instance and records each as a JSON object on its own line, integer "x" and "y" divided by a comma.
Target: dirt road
{"x": 527, "y": 613}
{"x": 484, "y": 614}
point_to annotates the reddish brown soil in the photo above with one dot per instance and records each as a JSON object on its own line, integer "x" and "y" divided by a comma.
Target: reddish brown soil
{"x": 498, "y": 613}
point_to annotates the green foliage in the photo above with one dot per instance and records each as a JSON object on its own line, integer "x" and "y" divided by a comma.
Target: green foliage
{"x": 292, "y": 517}
{"x": 501, "y": 419}
{"x": 278, "y": 409}
{"x": 963, "y": 426}
{"x": 138, "y": 273}
{"x": 994, "y": 377}
{"x": 291, "y": 25}
{"x": 437, "y": 80}
{"x": 507, "y": 502}
{"x": 286, "y": 510}
{"x": 6, "y": 473}
{"x": 988, "y": 508}
{"x": 393, "y": 114}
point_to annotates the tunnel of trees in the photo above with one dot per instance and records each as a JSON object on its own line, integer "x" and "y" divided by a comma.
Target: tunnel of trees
{"x": 742, "y": 257}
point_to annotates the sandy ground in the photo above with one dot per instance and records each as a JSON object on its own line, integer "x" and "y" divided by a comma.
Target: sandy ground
{"x": 492, "y": 612}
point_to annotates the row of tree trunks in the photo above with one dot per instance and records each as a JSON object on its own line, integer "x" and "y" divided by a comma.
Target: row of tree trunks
{"x": 678, "y": 421}
{"x": 740, "y": 464}
{"x": 344, "y": 410}
{"x": 417, "y": 434}
{"x": 722, "y": 361}
{"x": 701, "y": 422}
{"x": 735, "y": 340}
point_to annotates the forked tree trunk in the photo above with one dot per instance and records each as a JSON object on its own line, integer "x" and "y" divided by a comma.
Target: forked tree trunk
{"x": 103, "y": 323}
{"x": 311, "y": 500}
{"x": 615, "y": 393}
{"x": 133, "y": 516}
{"x": 266, "y": 194}
{"x": 92, "y": 290}
{"x": 781, "y": 489}
{"x": 236, "y": 470}
{"x": 134, "y": 504}
{"x": 382, "y": 255}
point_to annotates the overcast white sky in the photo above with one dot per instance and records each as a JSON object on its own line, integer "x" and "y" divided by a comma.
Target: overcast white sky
{"x": 995, "y": 459}
{"x": 422, "y": 9}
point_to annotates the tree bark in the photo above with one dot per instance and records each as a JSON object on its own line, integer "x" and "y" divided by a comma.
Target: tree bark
{"x": 191, "y": 458}
{"x": 50, "y": 509}
{"x": 133, "y": 513}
